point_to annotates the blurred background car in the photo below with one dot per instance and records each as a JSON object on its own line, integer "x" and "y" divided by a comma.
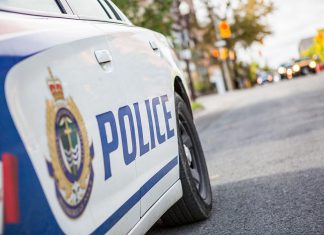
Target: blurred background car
{"x": 305, "y": 66}
{"x": 286, "y": 71}
{"x": 264, "y": 77}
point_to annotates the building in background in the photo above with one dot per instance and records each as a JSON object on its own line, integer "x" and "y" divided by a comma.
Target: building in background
{"x": 305, "y": 44}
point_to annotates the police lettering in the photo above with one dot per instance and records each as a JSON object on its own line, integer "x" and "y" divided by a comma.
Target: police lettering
{"x": 130, "y": 118}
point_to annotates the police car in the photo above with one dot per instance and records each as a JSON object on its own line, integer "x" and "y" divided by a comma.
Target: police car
{"x": 97, "y": 133}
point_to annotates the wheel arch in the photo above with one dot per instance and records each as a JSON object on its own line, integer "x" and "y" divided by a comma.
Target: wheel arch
{"x": 180, "y": 89}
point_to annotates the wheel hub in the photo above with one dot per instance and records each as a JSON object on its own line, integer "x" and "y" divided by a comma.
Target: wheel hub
{"x": 188, "y": 154}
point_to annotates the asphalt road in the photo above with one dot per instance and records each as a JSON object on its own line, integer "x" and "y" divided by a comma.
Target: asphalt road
{"x": 265, "y": 154}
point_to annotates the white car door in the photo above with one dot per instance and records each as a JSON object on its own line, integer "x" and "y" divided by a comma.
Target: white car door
{"x": 65, "y": 102}
{"x": 140, "y": 65}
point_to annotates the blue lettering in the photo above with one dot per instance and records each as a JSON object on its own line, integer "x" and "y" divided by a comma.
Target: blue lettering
{"x": 160, "y": 137}
{"x": 123, "y": 112}
{"x": 149, "y": 116}
{"x": 167, "y": 117}
{"x": 144, "y": 148}
{"x": 135, "y": 140}
{"x": 107, "y": 147}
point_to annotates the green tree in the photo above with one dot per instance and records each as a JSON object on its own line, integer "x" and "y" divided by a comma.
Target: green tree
{"x": 248, "y": 23}
{"x": 155, "y": 16}
{"x": 252, "y": 71}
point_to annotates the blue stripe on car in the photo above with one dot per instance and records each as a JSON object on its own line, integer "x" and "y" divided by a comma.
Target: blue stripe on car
{"x": 135, "y": 198}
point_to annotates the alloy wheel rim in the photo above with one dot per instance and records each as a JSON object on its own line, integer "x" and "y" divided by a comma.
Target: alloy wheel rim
{"x": 192, "y": 157}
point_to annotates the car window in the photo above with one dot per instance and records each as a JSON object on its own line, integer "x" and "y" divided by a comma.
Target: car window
{"x": 35, "y": 5}
{"x": 113, "y": 9}
{"x": 119, "y": 12}
{"x": 92, "y": 9}
{"x": 107, "y": 9}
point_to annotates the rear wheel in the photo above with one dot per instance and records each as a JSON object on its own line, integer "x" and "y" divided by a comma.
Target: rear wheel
{"x": 196, "y": 202}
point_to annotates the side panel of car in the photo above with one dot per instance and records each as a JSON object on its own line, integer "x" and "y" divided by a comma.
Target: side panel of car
{"x": 96, "y": 115}
{"x": 59, "y": 100}
{"x": 147, "y": 78}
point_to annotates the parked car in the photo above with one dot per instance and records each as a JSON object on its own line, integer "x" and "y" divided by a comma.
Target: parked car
{"x": 286, "y": 71}
{"x": 264, "y": 77}
{"x": 304, "y": 66}
{"x": 97, "y": 132}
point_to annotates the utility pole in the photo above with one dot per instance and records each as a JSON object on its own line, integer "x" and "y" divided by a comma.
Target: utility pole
{"x": 223, "y": 64}
{"x": 184, "y": 9}
{"x": 180, "y": 13}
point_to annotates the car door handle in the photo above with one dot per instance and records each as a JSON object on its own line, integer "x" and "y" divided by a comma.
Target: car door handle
{"x": 103, "y": 56}
{"x": 154, "y": 46}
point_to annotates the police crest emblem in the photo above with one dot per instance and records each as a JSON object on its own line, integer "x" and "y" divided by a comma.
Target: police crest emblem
{"x": 71, "y": 154}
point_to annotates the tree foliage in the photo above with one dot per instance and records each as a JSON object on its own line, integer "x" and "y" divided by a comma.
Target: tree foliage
{"x": 317, "y": 48}
{"x": 154, "y": 15}
{"x": 247, "y": 19}
{"x": 249, "y": 22}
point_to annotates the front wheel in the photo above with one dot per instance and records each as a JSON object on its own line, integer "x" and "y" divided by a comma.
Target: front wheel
{"x": 196, "y": 202}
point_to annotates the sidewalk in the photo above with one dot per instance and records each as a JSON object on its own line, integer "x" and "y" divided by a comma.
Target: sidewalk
{"x": 216, "y": 103}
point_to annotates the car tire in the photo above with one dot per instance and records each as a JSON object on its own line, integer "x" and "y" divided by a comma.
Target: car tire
{"x": 196, "y": 203}
{"x": 305, "y": 71}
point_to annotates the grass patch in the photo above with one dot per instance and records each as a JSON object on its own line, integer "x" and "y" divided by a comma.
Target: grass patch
{"x": 196, "y": 106}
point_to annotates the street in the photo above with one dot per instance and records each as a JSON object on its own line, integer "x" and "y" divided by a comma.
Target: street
{"x": 264, "y": 149}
